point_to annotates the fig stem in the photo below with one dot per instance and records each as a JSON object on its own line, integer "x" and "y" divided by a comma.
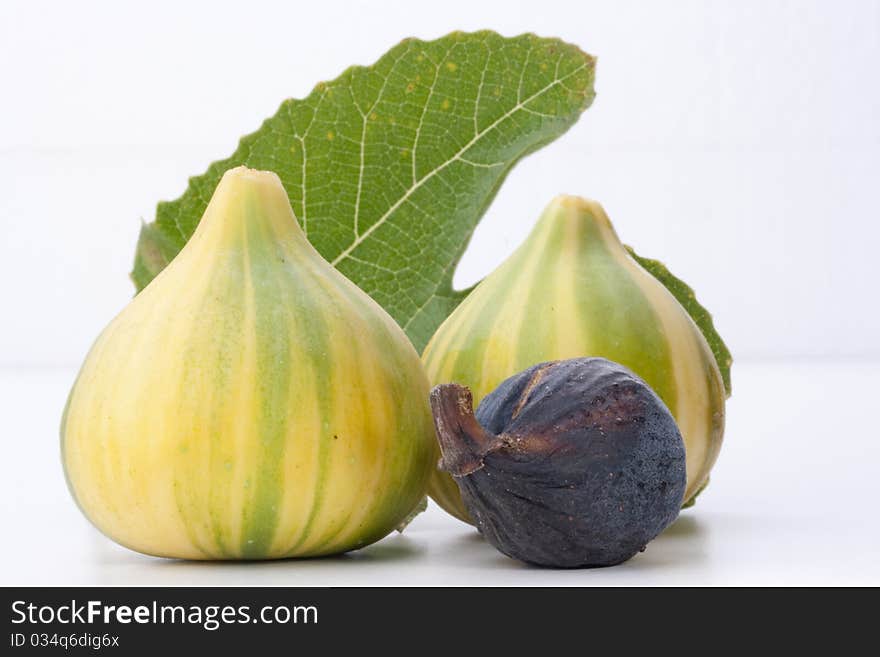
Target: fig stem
{"x": 463, "y": 442}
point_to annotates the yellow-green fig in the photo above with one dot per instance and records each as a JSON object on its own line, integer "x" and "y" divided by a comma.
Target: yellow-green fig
{"x": 572, "y": 290}
{"x": 251, "y": 402}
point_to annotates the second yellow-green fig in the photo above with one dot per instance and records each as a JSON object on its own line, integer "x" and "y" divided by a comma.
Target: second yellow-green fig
{"x": 573, "y": 290}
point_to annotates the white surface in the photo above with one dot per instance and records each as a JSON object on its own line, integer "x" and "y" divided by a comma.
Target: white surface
{"x": 793, "y": 501}
{"x": 738, "y": 141}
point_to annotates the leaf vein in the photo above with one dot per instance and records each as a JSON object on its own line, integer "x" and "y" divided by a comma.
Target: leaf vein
{"x": 413, "y": 188}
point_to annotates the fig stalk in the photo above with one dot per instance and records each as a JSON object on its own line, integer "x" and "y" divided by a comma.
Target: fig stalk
{"x": 463, "y": 442}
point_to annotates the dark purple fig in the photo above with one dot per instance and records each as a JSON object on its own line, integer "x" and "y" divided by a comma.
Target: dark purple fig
{"x": 571, "y": 463}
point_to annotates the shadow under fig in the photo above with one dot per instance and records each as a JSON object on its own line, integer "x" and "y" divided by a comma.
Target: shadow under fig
{"x": 687, "y": 525}
{"x": 472, "y": 551}
{"x": 683, "y": 543}
{"x": 394, "y": 548}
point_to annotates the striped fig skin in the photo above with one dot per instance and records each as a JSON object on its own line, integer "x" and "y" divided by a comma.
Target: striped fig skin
{"x": 571, "y": 290}
{"x": 251, "y": 402}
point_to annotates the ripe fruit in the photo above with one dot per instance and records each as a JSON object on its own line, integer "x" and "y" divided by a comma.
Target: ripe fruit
{"x": 251, "y": 402}
{"x": 572, "y": 290}
{"x": 569, "y": 464}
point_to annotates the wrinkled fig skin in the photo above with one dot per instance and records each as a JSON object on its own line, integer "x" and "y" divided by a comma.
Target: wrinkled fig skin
{"x": 572, "y": 463}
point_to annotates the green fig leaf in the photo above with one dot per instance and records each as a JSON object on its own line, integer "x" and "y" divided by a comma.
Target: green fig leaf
{"x": 686, "y": 297}
{"x": 390, "y": 167}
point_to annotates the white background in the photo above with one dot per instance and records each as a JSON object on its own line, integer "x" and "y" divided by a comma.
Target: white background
{"x": 739, "y": 142}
